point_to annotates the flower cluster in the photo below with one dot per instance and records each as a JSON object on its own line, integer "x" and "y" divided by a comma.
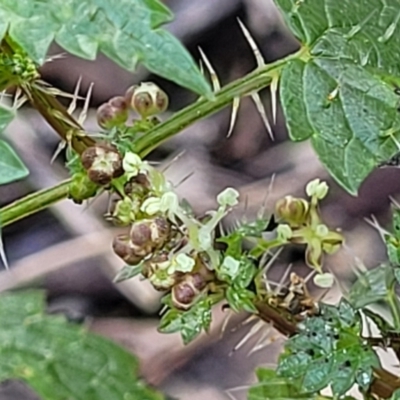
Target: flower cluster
{"x": 301, "y": 222}
{"x": 173, "y": 249}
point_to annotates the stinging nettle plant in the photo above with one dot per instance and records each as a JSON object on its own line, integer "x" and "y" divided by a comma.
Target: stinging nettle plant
{"x": 339, "y": 90}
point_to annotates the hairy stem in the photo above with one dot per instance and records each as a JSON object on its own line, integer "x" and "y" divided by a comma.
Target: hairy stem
{"x": 56, "y": 115}
{"x": 253, "y": 82}
{"x": 33, "y": 203}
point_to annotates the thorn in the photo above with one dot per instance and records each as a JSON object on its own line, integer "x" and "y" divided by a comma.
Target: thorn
{"x": 59, "y": 149}
{"x": 283, "y": 279}
{"x": 260, "y": 108}
{"x": 213, "y": 74}
{"x": 225, "y": 323}
{"x": 201, "y": 67}
{"x": 256, "y": 51}
{"x": 253, "y": 331}
{"x": 83, "y": 114}
{"x": 268, "y": 266}
{"x": 172, "y": 161}
{"x": 184, "y": 179}
{"x": 72, "y": 105}
{"x": 3, "y": 255}
{"x": 55, "y": 57}
{"x": 309, "y": 276}
{"x": 273, "y": 87}
{"x": 375, "y": 224}
{"x": 47, "y": 88}
{"x": 261, "y": 211}
{"x": 235, "y": 109}
{"x": 394, "y": 202}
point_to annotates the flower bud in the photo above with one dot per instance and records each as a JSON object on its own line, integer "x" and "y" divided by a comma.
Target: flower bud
{"x": 161, "y": 279}
{"x": 138, "y": 185}
{"x": 125, "y": 210}
{"x": 112, "y": 113}
{"x": 148, "y": 99}
{"x": 292, "y": 210}
{"x": 124, "y": 250}
{"x": 317, "y": 189}
{"x": 81, "y": 188}
{"x": 103, "y": 163}
{"x": 156, "y": 262}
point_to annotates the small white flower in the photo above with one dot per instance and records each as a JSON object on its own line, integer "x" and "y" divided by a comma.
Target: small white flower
{"x": 230, "y": 266}
{"x": 133, "y": 164}
{"x": 284, "y": 232}
{"x": 169, "y": 202}
{"x": 151, "y": 205}
{"x": 228, "y": 197}
{"x": 205, "y": 238}
{"x": 317, "y": 189}
{"x": 183, "y": 263}
{"x": 321, "y": 230}
{"x": 325, "y": 280}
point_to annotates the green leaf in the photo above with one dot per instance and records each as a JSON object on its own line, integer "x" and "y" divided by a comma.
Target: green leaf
{"x": 189, "y": 323}
{"x": 60, "y": 360}
{"x": 11, "y": 167}
{"x": 371, "y": 286}
{"x": 392, "y": 242}
{"x": 271, "y": 387}
{"x": 336, "y": 92}
{"x": 240, "y": 299}
{"x": 328, "y": 351}
{"x": 6, "y": 116}
{"x": 126, "y": 31}
{"x": 396, "y": 395}
{"x": 128, "y": 272}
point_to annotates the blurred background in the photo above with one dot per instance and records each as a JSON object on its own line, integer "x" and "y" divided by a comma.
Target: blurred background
{"x": 67, "y": 249}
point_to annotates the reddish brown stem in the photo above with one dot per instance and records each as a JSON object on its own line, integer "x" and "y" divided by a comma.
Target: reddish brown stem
{"x": 384, "y": 384}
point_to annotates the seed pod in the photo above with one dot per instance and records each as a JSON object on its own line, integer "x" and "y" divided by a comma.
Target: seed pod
{"x": 138, "y": 185}
{"x": 140, "y": 233}
{"x": 160, "y": 230}
{"x": 102, "y": 163}
{"x": 112, "y": 113}
{"x": 186, "y": 292}
{"x": 162, "y": 280}
{"x": 156, "y": 262}
{"x": 292, "y": 210}
{"x": 183, "y": 296}
{"x": 148, "y": 99}
{"x": 123, "y": 249}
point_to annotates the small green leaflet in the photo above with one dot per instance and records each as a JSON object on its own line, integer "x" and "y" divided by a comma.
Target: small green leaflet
{"x": 128, "y": 272}
{"x": 60, "y": 360}
{"x": 11, "y": 166}
{"x": 392, "y": 241}
{"x": 126, "y": 31}
{"x": 270, "y": 386}
{"x": 371, "y": 286}
{"x": 189, "y": 323}
{"x": 328, "y": 351}
{"x": 337, "y": 94}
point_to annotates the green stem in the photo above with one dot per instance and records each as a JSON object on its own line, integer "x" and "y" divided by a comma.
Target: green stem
{"x": 33, "y": 203}
{"x": 47, "y": 104}
{"x": 394, "y": 305}
{"x": 251, "y": 83}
